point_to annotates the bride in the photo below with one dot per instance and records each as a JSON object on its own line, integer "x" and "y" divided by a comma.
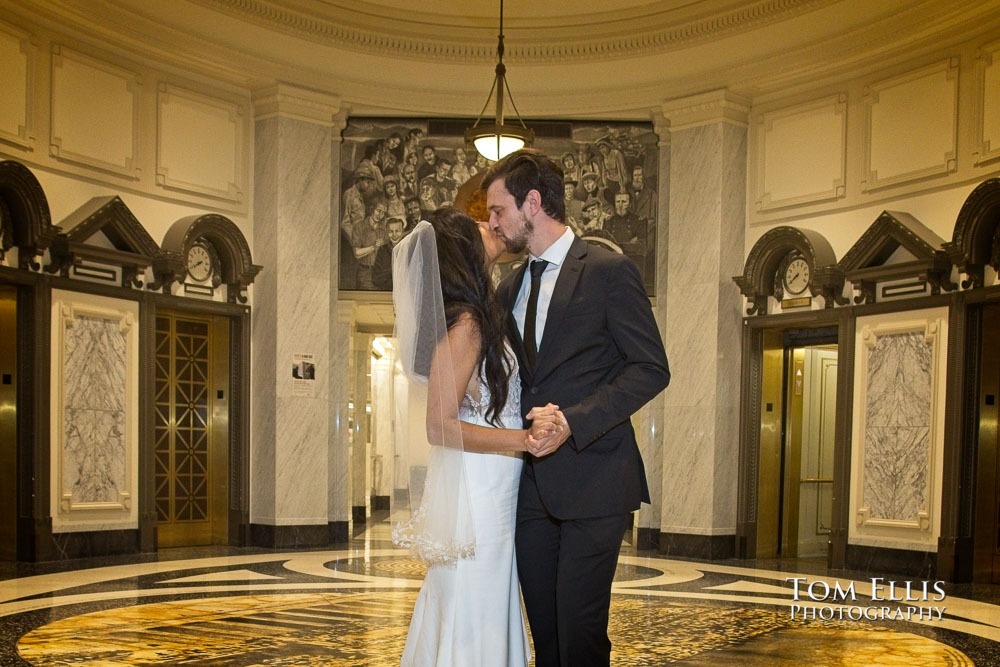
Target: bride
{"x": 450, "y": 330}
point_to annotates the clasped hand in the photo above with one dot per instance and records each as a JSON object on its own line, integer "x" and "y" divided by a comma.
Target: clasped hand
{"x": 549, "y": 430}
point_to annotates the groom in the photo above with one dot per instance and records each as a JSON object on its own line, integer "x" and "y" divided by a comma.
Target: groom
{"x": 586, "y": 341}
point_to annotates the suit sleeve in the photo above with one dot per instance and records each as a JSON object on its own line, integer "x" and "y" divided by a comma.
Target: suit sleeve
{"x": 645, "y": 372}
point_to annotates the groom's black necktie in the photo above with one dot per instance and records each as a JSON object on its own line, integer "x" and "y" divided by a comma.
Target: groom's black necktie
{"x": 530, "y": 349}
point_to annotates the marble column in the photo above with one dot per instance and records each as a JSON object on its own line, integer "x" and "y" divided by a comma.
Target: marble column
{"x": 360, "y": 448}
{"x": 649, "y": 421}
{"x": 339, "y": 451}
{"x": 706, "y": 227}
{"x": 343, "y": 315}
{"x": 292, "y": 154}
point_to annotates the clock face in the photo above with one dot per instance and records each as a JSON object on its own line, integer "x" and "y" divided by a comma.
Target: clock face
{"x": 199, "y": 263}
{"x": 796, "y": 277}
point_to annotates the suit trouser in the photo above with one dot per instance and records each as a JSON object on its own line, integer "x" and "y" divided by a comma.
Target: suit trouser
{"x": 566, "y": 568}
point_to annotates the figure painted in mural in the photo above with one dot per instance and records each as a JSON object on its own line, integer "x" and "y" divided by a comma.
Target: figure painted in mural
{"x": 428, "y": 164}
{"x": 395, "y": 208}
{"x": 413, "y": 213}
{"x": 460, "y": 173}
{"x": 623, "y": 225}
{"x": 593, "y": 349}
{"x": 613, "y": 169}
{"x": 468, "y": 610}
{"x": 594, "y": 217}
{"x": 366, "y": 239}
{"x": 643, "y": 202}
{"x": 408, "y": 186}
{"x": 382, "y": 268}
{"x": 574, "y": 207}
{"x": 443, "y": 185}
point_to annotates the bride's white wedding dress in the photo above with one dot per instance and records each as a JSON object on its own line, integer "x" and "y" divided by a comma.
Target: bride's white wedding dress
{"x": 469, "y": 614}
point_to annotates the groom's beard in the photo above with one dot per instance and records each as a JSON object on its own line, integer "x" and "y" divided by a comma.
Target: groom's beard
{"x": 519, "y": 243}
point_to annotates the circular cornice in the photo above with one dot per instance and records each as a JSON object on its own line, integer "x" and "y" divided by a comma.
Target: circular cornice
{"x": 643, "y": 30}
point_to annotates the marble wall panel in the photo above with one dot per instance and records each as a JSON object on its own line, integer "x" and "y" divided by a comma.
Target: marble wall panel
{"x": 897, "y": 447}
{"x": 95, "y": 450}
{"x": 94, "y": 412}
{"x": 897, "y": 430}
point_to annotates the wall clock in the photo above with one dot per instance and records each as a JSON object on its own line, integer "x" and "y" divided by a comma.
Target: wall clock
{"x": 202, "y": 263}
{"x": 795, "y": 276}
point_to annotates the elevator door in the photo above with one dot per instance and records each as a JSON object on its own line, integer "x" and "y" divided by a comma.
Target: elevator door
{"x": 191, "y": 429}
{"x": 986, "y": 543}
{"x": 8, "y": 423}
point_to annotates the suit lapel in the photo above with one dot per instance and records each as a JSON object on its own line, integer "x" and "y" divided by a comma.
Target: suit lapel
{"x": 508, "y": 295}
{"x": 569, "y": 275}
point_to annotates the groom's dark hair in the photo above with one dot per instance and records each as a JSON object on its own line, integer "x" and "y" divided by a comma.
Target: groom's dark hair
{"x": 530, "y": 169}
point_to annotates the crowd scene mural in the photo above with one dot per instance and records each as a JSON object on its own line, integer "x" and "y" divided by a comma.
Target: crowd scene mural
{"x": 394, "y": 171}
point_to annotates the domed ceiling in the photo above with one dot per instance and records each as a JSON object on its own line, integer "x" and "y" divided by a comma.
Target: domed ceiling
{"x": 566, "y": 58}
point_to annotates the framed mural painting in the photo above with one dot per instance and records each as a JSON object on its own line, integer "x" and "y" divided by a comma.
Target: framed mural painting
{"x": 395, "y": 170}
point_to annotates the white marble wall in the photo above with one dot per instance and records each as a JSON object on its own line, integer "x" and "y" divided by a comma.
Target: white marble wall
{"x": 95, "y": 455}
{"x": 703, "y": 321}
{"x": 897, "y": 426}
{"x": 291, "y": 315}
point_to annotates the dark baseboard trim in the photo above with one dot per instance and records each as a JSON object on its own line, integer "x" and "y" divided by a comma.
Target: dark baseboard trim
{"x": 289, "y": 537}
{"x": 917, "y": 564}
{"x": 380, "y": 503}
{"x": 702, "y": 547}
{"x": 339, "y": 532}
{"x": 359, "y": 513}
{"x": 647, "y": 538}
{"x": 95, "y": 543}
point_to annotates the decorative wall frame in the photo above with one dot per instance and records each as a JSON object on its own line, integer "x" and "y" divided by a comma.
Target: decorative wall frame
{"x": 975, "y": 242}
{"x": 865, "y": 266}
{"x": 128, "y": 166}
{"x": 871, "y": 180}
{"x": 24, "y": 135}
{"x": 898, "y": 432}
{"x": 759, "y": 280}
{"x": 233, "y": 125}
{"x": 95, "y": 412}
{"x": 987, "y": 149}
{"x": 607, "y": 203}
{"x": 836, "y": 105}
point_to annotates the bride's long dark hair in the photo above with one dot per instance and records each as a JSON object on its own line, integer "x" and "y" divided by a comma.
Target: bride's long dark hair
{"x": 467, "y": 288}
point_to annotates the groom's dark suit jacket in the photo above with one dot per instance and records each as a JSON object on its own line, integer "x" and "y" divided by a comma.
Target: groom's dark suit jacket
{"x": 601, "y": 359}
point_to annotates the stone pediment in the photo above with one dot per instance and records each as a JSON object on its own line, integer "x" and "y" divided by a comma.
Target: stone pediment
{"x": 104, "y": 231}
{"x": 895, "y": 247}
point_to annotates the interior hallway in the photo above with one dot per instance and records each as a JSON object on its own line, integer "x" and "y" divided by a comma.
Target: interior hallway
{"x": 248, "y": 606}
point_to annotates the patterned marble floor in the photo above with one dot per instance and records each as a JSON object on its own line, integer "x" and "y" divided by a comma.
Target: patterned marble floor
{"x": 241, "y": 607}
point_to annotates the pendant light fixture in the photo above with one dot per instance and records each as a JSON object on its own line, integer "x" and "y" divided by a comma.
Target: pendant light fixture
{"x": 495, "y": 140}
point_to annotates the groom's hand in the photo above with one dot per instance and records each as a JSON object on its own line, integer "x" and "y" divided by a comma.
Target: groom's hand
{"x": 553, "y": 430}
{"x": 544, "y": 421}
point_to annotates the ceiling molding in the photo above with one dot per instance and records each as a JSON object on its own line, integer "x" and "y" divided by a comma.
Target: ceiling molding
{"x": 657, "y": 28}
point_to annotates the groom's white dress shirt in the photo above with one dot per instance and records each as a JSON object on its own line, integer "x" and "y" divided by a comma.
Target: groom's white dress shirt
{"x": 555, "y": 255}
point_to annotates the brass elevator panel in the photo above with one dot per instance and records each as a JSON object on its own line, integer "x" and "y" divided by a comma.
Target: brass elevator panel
{"x": 191, "y": 453}
{"x": 8, "y": 423}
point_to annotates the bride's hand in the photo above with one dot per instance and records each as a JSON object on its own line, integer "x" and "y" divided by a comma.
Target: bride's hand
{"x": 556, "y": 431}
